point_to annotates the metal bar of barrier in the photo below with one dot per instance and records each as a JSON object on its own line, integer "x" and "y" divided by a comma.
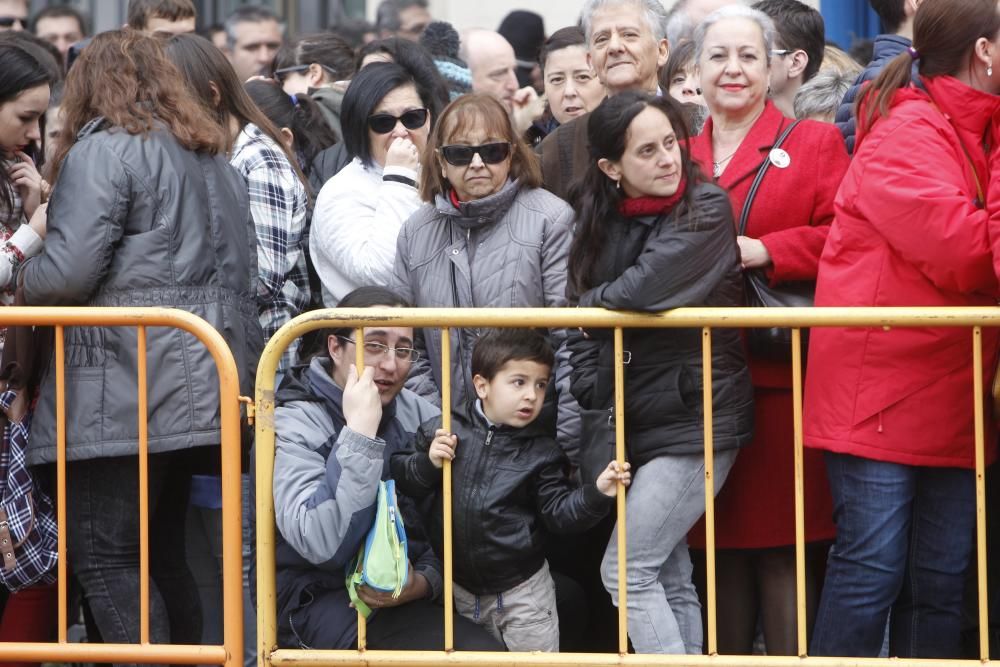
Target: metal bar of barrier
{"x": 704, "y": 318}
{"x": 297, "y": 658}
{"x": 708, "y": 417}
{"x": 800, "y": 508}
{"x": 143, "y": 492}
{"x": 231, "y": 652}
{"x": 359, "y": 364}
{"x": 63, "y": 579}
{"x": 977, "y": 396}
{"x": 620, "y": 498}
{"x": 449, "y": 555}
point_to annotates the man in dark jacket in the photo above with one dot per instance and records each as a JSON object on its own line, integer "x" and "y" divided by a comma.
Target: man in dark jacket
{"x": 897, "y": 20}
{"x": 621, "y": 64}
{"x": 509, "y": 478}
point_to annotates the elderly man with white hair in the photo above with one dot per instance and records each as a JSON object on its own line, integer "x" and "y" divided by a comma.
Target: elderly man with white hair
{"x": 627, "y": 46}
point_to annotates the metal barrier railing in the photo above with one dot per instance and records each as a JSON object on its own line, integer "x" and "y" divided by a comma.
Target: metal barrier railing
{"x": 230, "y": 653}
{"x": 269, "y": 654}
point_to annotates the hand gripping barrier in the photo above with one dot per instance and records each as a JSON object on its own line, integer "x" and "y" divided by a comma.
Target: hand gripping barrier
{"x": 269, "y": 654}
{"x": 230, "y": 653}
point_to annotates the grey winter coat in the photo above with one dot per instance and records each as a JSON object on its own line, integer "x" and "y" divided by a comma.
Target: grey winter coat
{"x": 507, "y": 250}
{"x": 137, "y": 221}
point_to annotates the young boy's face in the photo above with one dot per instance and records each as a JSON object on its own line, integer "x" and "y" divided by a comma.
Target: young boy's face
{"x": 515, "y": 394}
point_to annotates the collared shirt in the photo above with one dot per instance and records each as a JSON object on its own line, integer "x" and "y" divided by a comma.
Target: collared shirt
{"x": 278, "y": 205}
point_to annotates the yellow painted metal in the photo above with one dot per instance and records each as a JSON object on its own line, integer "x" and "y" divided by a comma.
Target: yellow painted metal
{"x": 708, "y": 416}
{"x": 359, "y": 363}
{"x": 230, "y": 653}
{"x": 449, "y": 555}
{"x": 704, "y": 318}
{"x": 60, "y": 341}
{"x": 977, "y": 396}
{"x": 143, "y": 491}
{"x": 800, "y": 507}
{"x": 620, "y": 499}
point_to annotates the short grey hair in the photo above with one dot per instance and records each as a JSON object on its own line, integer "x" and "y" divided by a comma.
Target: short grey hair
{"x": 762, "y": 20}
{"x": 387, "y": 14}
{"x": 249, "y": 14}
{"x": 656, "y": 15}
{"x": 822, "y": 94}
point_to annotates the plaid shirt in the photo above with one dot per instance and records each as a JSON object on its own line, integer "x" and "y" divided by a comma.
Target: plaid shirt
{"x": 278, "y": 205}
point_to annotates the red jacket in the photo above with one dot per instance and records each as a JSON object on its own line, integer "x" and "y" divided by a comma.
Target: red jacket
{"x": 793, "y": 209}
{"x": 908, "y": 232}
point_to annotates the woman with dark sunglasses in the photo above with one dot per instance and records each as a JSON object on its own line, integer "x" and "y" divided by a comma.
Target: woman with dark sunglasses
{"x": 487, "y": 236}
{"x": 386, "y": 118}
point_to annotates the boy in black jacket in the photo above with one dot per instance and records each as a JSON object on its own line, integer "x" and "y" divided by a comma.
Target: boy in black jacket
{"x": 509, "y": 477}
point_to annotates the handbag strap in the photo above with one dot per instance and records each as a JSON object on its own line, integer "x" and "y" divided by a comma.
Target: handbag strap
{"x": 745, "y": 213}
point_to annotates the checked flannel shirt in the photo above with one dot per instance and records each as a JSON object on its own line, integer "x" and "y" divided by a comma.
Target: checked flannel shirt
{"x": 278, "y": 205}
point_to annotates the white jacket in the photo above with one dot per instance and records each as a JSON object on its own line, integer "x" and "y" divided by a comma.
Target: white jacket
{"x": 357, "y": 218}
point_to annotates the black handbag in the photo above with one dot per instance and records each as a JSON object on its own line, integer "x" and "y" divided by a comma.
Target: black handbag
{"x": 772, "y": 343}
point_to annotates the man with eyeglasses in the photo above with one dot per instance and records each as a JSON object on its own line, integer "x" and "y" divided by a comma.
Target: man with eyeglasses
{"x": 798, "y": 49}
{"x": 336, "y": 427}
{"x": 13, "y": 15}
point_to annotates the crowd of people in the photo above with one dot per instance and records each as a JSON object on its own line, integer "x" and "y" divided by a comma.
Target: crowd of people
{"x": 718, "y": 154}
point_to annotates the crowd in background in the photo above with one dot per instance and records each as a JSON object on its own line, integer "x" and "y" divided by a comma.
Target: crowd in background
{"x": 717, "y": 154}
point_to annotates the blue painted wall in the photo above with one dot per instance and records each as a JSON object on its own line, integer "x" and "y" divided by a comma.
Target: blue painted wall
{"x": 847, "y": 20}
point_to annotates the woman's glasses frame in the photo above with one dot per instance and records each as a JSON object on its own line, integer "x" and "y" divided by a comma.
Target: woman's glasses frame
{"x": 460, "y": 155}
{"x": 384, "y": 123}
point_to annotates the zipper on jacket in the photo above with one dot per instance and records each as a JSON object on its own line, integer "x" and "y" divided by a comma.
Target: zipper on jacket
{"x": 489, "y": 435}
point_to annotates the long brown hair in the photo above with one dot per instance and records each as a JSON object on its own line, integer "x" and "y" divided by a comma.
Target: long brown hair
{"x": 944, "y": 35}
{"x": 466, "y": 112}
{"x": 124, "y": 76}
{"x": 214, "y": 81}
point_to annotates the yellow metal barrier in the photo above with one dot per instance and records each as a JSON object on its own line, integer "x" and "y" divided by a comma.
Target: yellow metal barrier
{"x": 269, "y": 654}
{"x": 230, "y": 653}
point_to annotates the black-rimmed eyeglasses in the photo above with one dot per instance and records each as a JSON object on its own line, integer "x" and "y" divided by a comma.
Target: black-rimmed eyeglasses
{"x": 384, "y": 123}
{"x": 459, "y": 155}
{"x": 378, "y": 350}
{"x": 282, "y": 72}
{"x": 9, "y": 21}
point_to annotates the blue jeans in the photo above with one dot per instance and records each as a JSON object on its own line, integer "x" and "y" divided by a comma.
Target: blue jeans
{"x": 904, "y": 540}
{"x": 666, "y": 499}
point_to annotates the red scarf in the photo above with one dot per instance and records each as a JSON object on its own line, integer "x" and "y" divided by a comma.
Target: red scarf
{"x": 453, "y": 196}
{"x": 636, "y": 207}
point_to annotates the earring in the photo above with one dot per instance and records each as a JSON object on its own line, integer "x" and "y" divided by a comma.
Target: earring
{"x": 989, "y": 70}
{"x": 618, "y": 185}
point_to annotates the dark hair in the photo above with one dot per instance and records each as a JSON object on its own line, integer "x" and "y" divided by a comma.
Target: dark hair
{"x": 326, "y": 49}
{"x": 248, "y": 14}
{"x": 23, "y": 65}
{"x": 353, "y": 31}
{"x": 559, "y": 40}
{"x": 387, "y": 14}
{"x": 125, "y": 77}
{"x": 366, "y": 91}
{"x": 944, "y": 33}
{"x": 681, "y": 58}
{"x": 799, "y": 26}
{"x": 497, "y": 347}
{"x": 892, "y": 13}
{"x": 140, "y": 11}
{"x": 299, "y": 114}
{"x": 594, "y": 197}
{"x": 464, "y": 112}
{"x": 368, "y": 296}
{"x": 59, "y": 12}
{"x": 415, "y": 59}
{"x": 213, "y": 80}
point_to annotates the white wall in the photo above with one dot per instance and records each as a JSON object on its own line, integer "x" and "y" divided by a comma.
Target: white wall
{"x": 489, "y": 13}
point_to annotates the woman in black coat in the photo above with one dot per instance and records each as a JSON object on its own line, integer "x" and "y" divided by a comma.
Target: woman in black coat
{"x": 652, "y": 235}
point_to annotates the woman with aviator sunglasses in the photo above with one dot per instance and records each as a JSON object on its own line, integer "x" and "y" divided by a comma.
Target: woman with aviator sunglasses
{"x": 386, "y": 115}
{"x": 487, "y": 236}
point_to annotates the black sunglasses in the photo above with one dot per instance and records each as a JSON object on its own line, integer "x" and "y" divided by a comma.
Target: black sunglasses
{"x": 458, "y": 155}
{"x": 384, "y": 123}
{"x": 8, "y": 21}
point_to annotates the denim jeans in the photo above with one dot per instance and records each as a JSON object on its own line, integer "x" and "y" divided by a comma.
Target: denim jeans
{"x": 666, "y": 499}
{"x": 103, "y": 538}
{"x": 904, "y": 540}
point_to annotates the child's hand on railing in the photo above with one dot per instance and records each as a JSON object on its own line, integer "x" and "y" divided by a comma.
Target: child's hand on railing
{"x": 607, "y": 481}
{"x": 442, "y": 448}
